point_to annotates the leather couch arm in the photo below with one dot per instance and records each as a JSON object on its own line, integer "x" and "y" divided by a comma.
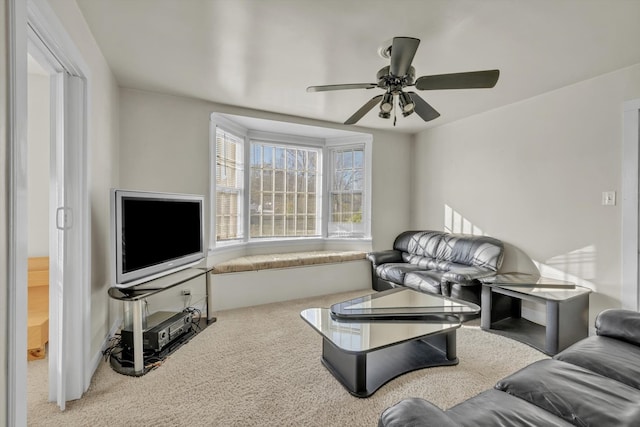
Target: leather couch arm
{"x": 414, "y": 412}
{"x": 467, "y": 274}
{"x": 620, "y": 324}
{"x": 383, "y": 257}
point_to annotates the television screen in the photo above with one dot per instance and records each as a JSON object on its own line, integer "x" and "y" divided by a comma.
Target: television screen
{"x": 155, "y": 234}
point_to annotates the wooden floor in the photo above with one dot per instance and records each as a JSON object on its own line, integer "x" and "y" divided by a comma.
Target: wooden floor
{"x": 38, "y": 307}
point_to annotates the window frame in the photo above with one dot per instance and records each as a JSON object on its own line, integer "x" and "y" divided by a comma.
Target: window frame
{"x": 240, "y": 191}
{"x": 325, "y": 147}
{"x": 331, "y": 150}
{"x": 261, "y": 140}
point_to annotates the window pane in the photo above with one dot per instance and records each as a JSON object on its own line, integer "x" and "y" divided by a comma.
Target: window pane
{"x": 229, "y": 185}
{"x": 358, "y": 159}
{"x": 347, "y": 159}
{"x": 311, "y": 225}
{"x": 313, "y": 160}
{"x": 301, "y": 206}
{"x": 301, "y": 223}
{"x": 280, "y": 157}
{"x": 291, "y": 159}
{"x": 267, "y": 157}
{"x": 358, "y": 182}
{"x": 291, "y": 181}
{"x": 278, "y": 226}
{"x": 291, "y": 225}
{"x": 288, "y": 191}
{"x": 311, "y": 204}
{"x": 267, "y": 180}
{"x": 311, "y": 182}
{"x": 279, "y": 184}
{"x": 301, "y": 181}
{"x": 267, "y": 225}
{"x": 278, "y": 204}
{"x": 347, "y": 184}
{"x": 289, "y": 203}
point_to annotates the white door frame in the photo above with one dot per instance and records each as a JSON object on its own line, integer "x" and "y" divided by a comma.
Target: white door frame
{"x": 15, "y": 376}
{"x": 73, "y": 324}
{"x": 630, "y": 292}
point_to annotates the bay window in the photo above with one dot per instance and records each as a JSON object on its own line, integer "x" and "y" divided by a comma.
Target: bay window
{"x": 295, "y": 186}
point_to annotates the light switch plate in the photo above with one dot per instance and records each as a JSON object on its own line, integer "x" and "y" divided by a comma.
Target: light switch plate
{"x": 608, "y": 198}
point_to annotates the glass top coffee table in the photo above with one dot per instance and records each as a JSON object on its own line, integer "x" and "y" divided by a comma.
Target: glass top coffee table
{"x": 387, "y": 334}
{"x": 402, "y": 303}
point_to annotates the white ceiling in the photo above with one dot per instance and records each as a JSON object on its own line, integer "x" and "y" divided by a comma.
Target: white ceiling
{"x": 262, "y": 54}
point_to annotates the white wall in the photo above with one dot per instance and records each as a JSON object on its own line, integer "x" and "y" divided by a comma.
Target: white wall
{"x": 38, "y": 140}
{"x": 532, "y": 174}
{"x": 103, "y": 160}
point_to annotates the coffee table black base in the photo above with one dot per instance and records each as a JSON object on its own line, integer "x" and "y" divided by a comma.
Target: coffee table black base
{"x": 362, "y": 374}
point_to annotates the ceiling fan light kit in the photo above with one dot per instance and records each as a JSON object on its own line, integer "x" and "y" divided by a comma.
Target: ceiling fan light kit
{"x": 400, "y": 74}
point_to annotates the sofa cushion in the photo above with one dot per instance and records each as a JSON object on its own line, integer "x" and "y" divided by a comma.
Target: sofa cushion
{"x": 424, "y": 281}
{"x": 414, "y": 412}
{"x": 480, "y": 251}
{"x": 425, "y": 263}
{"x": 422, "y": 243}
{"x": 621, "y": 324}
{"x": 575, "y": 394}
{"x": 421, "y": 247}
{"x": 395, "y": 271}
{"x": 606, "y": 356}
{"x": 495, "y": 408}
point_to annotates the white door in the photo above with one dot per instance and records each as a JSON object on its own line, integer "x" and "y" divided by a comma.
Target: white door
{"x": 66, "y": 289}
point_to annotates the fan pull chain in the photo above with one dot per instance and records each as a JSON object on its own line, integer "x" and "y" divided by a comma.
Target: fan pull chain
{"x": 395, "y": 117}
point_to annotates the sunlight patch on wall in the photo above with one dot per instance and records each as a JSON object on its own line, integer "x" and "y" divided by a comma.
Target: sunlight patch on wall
{"x": 456, "y": 223}
{"x": 578, "y": 266}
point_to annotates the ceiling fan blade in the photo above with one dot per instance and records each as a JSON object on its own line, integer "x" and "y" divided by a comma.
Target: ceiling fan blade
{"x": 469, "y": 80}
{"x": 341, "y": 87}
{"x": 363, "y": 110}
{"x": 403, "y": 49}
{"x": 422, "y": 108}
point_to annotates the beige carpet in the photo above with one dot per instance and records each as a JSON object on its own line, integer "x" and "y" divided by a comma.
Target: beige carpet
{"x": 261, "y": 366}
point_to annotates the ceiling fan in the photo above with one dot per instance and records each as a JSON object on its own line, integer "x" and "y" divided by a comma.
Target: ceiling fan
{"x": 399, "y": 75}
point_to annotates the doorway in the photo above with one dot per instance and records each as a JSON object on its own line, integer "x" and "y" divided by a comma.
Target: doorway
{"x": 38, "y": 160}
{"x": 67, "y": 223}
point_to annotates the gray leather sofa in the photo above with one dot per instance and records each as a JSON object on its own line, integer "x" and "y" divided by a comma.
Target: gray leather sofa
{"x": 437, "y": 262}
{"x": 595, "y": 382}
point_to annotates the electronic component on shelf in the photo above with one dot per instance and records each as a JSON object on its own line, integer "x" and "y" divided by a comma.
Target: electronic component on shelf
{"x": 168, "y": 327}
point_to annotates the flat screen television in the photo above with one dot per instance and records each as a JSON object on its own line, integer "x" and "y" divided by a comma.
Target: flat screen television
{"x": 154, "y": 234}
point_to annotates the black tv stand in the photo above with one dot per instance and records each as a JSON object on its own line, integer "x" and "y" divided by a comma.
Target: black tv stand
{"x": 132, "y": 359}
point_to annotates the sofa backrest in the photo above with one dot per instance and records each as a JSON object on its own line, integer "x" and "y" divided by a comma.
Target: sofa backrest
{"x": 424, "y": 247}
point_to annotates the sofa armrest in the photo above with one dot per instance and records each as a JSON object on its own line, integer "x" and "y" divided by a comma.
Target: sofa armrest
{"x": 383, "y": 257}
{"x": 620, "y": 324}
{"x": 414, "y": 412}
{"x": 467, "y": 274}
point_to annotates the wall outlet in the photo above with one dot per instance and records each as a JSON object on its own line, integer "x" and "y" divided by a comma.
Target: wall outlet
{"x": 186, "y": 292}
{"x": 608, "y": 198}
